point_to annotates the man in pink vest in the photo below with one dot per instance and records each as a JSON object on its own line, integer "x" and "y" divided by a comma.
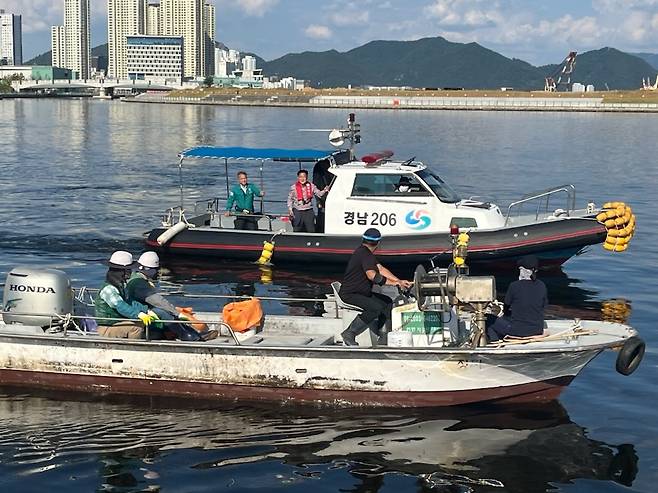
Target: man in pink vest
{"x": 300, "y": 203}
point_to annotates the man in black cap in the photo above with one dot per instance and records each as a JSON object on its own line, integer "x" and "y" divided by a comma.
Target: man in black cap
{"x": 363, "y": 271}
{"x": 525, "y": 302}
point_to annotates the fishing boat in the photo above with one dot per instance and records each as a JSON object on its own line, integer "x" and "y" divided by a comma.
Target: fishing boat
{"x": 406, "y": 200}
{"x": 436, "y": 355}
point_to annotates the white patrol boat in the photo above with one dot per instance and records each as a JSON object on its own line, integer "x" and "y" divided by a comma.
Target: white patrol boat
{"x": 436, "y": 355}
{"x": 407, "y": 201}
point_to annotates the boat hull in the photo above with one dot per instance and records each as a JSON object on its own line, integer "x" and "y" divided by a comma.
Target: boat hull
{"x": 554, "y": 242}
{"x": 392, "y": 377}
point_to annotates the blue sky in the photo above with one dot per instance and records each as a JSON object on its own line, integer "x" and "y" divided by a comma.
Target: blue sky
{"x": 536, "y": 31}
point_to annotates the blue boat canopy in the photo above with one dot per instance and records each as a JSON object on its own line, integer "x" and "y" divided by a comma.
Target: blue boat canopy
{"x": 246, "y": 153}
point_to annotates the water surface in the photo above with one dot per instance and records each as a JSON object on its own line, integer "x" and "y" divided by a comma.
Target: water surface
{"x": 79, "y": 179}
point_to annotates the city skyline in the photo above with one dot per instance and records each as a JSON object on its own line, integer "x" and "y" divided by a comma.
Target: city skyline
{"x": 533, "y": 31}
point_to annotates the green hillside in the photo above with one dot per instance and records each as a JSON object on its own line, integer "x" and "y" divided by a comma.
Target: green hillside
{"x": 436, "y": 62}
{"x": 650, "y": 58}
{"x": 47, "y": 57}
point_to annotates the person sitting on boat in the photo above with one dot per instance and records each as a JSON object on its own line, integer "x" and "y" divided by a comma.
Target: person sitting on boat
{"x": 525, "y": 302}
{"x": 300, "y": 203}
{"x": 241, "y": 197}
{"x": 140, "y": 288}
{"x": 111, "y": 305}
{"x": 362, "y": 273}
{"x": 404, "y": 185}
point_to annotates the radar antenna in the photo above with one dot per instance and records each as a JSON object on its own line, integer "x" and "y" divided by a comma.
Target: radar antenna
{"x": 338, "y": 136}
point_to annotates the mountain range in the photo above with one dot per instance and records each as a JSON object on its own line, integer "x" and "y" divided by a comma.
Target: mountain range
{"x": 437, "y": 62}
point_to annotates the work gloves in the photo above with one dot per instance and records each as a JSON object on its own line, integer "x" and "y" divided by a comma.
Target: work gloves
{"x": 148, "y": 318}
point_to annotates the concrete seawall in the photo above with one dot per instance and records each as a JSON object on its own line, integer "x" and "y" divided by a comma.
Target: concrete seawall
{"x": 569, "y": 104}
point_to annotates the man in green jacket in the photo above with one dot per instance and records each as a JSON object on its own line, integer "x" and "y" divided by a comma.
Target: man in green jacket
{"x": 242, "y": 197}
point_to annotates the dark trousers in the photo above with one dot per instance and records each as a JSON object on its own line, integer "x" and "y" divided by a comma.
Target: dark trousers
{"x": 319, "y": 221}
{"x": 303, "y": 221}
{"x": 246, "y": 222}
{"x": 500, "y": 327}
{"x": 375, "y": 307}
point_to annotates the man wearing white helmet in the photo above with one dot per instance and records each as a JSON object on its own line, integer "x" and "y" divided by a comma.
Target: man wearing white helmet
{"x": 141, "y": 289}
{"x": 111, "y": 305}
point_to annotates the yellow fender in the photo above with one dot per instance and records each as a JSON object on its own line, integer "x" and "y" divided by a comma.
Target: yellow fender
{"x": 266, "y": 254}
{"x": 601, "y": 217}
{"x": 615, "y": 247}
{"x": 627, "y": 231}
{"x": 620, "y": 221}
{"x": 612, "y": 205}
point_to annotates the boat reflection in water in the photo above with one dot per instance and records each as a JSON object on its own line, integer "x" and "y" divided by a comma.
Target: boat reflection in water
{"x": 148, "y": 445}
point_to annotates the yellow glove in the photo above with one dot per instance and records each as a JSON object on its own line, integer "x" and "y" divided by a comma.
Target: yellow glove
{"x": 153, "y": 315}
{"x": 145, "y": 318}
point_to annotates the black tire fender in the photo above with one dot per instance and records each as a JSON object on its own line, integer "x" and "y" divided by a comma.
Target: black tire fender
{"x": 630, "y": 355}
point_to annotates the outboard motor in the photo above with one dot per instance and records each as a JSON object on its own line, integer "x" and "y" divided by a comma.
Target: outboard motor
{"x": 31, "y": 295}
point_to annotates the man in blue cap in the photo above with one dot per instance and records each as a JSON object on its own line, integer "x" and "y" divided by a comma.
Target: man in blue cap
{"x": 362, "y": 273}
{"x": 525, "y": 302}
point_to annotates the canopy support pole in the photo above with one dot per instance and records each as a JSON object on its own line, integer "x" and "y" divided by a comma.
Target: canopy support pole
{"x": 180, "y": 180}
{"x": 228, "y": 191}
{"x": 262, "y": 186}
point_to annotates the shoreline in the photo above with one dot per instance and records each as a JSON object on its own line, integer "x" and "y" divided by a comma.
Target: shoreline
{"x": 460, "y": 103}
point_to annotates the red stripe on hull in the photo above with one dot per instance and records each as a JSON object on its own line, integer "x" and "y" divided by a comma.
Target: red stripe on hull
{"x": 383, "y": 252}
{"x": 531, "y": 392}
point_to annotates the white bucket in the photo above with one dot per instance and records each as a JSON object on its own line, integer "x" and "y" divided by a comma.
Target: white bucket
{"x": 400, "y": 338}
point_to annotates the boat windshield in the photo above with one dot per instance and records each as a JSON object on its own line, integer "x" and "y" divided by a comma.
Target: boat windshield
{"x": 439, "y": 187}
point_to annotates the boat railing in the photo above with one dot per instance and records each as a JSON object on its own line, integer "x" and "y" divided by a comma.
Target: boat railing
{"x": 542, "y": 199}
{"x": 217, "y": 204}
{"x": 85, "y": 296}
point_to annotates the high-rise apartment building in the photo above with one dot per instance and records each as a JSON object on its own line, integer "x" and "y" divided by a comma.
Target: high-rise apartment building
{"x": 11, "y": 39}
{"x": 209, "y": 37}
{"x": 124, "y": 18}
{"x": 194, "y": 20}
{"x": 77, "y": 49}
{"x": 153, "y": 19}
{"x": 57, "y": 44}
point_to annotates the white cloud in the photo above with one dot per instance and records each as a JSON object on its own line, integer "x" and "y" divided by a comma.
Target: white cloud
{"x": 617, "y": 6}
{"x": 350, "y": 18}
{"x": 468, "y": 13}
{"x": 316, "y": 31}
{"x": 37, "y": 15}
{"x": 256, "y": 8}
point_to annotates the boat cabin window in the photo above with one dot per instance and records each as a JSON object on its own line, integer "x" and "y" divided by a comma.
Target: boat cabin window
{"x": 464, "y": 222}
{"x": 442, "y": 190}
{"x": 388, "y": 185}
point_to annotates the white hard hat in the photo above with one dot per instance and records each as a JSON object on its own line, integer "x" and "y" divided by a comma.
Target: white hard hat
{"x": 150, "y": 260}
{"x": 121, "y": 258}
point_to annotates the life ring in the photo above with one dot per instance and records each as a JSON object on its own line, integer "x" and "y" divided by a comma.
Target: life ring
{"x": 630, "y": 355}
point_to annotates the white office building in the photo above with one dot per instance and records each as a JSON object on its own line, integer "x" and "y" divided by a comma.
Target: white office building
{"x": 57, "y": 45}
{"x": 194, "y": 20}
{"x": 124, "y": 18}
{"x": 11, "y": 39}
{"x": 77, "y": 49}
{"x": 155, "y": 58}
